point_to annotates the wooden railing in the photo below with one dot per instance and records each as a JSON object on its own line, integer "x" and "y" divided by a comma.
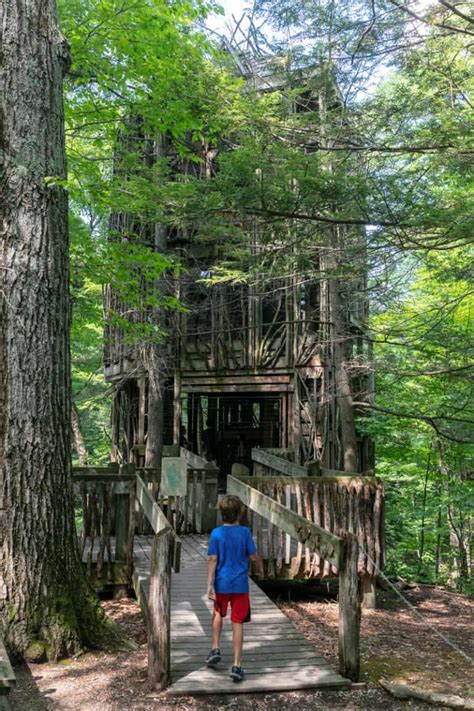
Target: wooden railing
{"x": 336, "y": 500}
{"x": 107, "y": 499}
{"x": 337, "y": 504}
{"x": 341, "y": 552}
{"x": 198, "y": 507}
{"x": 104, "y": 494}
{"x": 268, "y": 462}
{"x": 165, "y": 555}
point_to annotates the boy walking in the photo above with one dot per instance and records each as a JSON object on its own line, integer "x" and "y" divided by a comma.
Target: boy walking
{"x": 230, "y": 548}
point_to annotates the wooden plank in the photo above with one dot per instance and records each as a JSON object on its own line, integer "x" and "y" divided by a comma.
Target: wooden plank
{"x": 152, "y": 511}
{"x": 7, "y": 675}
{"x": 266, "y": 664}
{"x": 195, "y": 683}
{"x": 315, "y": 538}
{"x": 278, "y": 464}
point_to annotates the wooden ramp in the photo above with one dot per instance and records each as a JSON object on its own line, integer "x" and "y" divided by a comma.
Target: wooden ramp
{"x": 276, "y": 656}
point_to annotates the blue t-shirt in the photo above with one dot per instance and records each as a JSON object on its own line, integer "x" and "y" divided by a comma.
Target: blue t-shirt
{"x": 232, "y": 545}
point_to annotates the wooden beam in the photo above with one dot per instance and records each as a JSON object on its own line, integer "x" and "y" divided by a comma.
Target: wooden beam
{"x": 152, "y": 511}
{"x": 159, "y": 610}
{"x": 122, "y": 512}
{"x": 238, "y": 387}
{"x": 246, "y": 378}
{"x": 257, "y": 481}
{"x": 349, "y": 609}
{"x": 193, "y": 460}
{"x": 278, "y": 464}
{"x": 317, "y": 539}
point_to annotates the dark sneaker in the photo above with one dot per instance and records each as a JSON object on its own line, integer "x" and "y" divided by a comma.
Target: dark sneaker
{"x": 214, "y": 657}
{"x": 237, "y": 673}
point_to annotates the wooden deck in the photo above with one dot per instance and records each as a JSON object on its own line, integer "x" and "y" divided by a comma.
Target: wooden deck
{"x": 276, "y": 656}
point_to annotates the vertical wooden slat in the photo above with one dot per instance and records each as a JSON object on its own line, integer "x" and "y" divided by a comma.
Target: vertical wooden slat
{"x": 194, "y": 496}
{"x": 122, "y": 512}
{"x": 258, "y": 534}
{"x": 287, "y": 537}
{"x": 186, "y": 502}
{"x": 309, "y": 516}
{"x": 296, "y": 564}
{"x": 270, "y": 491}
{"x": 325, "y": 489}
{"x": 279, "y": 554}
{"x": 131, "y": 526}
{"x": 317, "y": 563}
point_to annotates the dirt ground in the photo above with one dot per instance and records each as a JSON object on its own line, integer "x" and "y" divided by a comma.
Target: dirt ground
{"x": 395, "y": 645}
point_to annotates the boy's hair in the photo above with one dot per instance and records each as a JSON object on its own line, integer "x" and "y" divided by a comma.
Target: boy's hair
{"x": 231, "y": 508}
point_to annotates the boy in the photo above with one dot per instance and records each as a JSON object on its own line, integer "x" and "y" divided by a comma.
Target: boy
{"x": 230, "y": 548}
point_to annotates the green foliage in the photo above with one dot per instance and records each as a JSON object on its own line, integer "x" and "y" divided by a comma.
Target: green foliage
{"x": 423, "y": 368}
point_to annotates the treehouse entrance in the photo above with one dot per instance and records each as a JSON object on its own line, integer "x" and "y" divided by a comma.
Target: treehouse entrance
{"x": 224, "y": 428}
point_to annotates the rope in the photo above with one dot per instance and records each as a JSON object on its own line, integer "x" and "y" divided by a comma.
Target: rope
{"x": 417, "y": 613}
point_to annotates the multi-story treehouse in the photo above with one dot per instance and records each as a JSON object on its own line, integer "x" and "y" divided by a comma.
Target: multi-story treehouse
{"x": 273, "y": 362}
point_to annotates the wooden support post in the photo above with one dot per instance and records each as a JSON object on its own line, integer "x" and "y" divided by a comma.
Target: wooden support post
{"x": 122, "y": 513}
{"x": 131, "y": 527}
{"x": 122, "y": 509}
{"x": 177, "y": 408}
{"x": 368, "y": 592}
{"x": 349, "y": 609}
{"x": 159, "y": 610}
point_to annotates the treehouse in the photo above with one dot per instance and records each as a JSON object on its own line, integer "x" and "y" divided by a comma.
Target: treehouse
{"x": 256, "y": 381}
{"x": 271, "y": 362}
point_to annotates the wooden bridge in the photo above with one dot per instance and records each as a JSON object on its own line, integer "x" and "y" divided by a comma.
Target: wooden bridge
{"x": 169, "y": 574}
{"x": 276, "y": 656}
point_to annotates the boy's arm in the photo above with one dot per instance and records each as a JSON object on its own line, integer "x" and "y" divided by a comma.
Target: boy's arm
{"x": 257, "y": 564}
{"x": 211, "y": 569}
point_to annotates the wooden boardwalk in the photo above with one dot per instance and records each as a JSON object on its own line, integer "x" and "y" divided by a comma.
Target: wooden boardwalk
{"x": 276, "y": 656}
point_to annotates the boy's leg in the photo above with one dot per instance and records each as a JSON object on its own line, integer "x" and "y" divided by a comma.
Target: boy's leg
{"x": 237, "y": 642}
{"x": 216, "y": 629}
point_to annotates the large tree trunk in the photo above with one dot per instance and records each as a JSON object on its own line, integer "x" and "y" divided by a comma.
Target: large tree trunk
{"x": 46, "y": 606}
{"x": 338, "y": 346}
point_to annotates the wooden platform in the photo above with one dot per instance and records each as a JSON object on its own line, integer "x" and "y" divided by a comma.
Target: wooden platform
{"x": 276, "y": 656}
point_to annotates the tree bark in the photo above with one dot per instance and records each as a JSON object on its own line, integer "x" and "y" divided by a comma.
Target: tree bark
{"x": 78, "y": 437}
{"x": 47, "y": 608}
{"x": 338, "y": 344}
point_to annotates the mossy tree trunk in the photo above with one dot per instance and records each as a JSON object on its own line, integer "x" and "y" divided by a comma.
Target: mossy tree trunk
{"x": 46, "y": 605}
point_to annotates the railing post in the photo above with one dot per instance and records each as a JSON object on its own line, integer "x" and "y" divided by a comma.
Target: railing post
{"x": 349, "y": 609}
{"x": 131, "y": 526}
{"x": 122, "y": 513}
{"x": 159, "y": 610}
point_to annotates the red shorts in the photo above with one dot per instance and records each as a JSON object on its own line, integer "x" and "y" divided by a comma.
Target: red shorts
{"x": 239, "y": 605}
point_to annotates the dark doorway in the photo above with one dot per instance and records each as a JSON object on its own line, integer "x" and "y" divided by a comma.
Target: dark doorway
{"x": 224, "y": 428}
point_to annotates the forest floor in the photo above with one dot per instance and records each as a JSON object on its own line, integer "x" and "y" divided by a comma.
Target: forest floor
{"x": 395, "y": 645}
